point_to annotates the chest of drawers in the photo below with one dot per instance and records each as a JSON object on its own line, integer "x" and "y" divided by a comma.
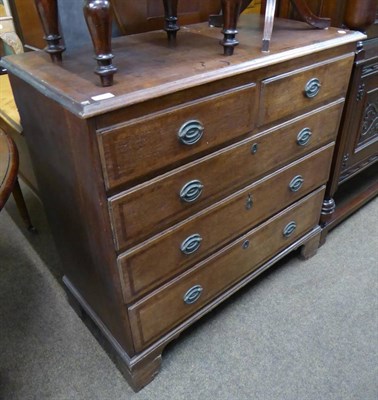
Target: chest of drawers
{"x": 189, "y": 177}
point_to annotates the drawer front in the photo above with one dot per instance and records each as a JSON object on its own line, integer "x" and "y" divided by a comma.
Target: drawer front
{"x": 156, "y": 142}
{"x": 160, "y": 259}
{"x": 284, "y": 95}
{"x": 149, "y": 208}
{"x": 166, "y": 308}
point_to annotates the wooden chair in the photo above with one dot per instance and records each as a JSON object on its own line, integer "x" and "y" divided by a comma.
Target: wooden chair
{"x": 9, "y": 158}
{"x": 8, "y": 178}
{"x": 9, "y": 116}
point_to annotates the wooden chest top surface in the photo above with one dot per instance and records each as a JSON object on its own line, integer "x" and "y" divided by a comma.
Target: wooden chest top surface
{"x": 149, "y": 68}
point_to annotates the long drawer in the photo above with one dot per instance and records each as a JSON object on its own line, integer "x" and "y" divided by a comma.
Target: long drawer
{"x": 147, "y": 266}
{"x": 165, "y": 308}
{"x": 296, "y": 91}
{"x": 157, "y": 204}
{"x": 159, "y": 140}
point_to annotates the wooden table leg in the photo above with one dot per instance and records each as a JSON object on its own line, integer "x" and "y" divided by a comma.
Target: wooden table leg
{"x": 231, "y": 11}
{"x": 305, "y": 12}
{"x": 48, "y": 14}
{"x": 268, "y": 24}
{"x": 171, "y": 26}
{"x": 98, "y": 16}
{"x": 327, "y": 213}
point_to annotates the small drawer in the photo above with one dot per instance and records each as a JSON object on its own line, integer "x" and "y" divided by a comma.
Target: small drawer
{"x": 293, "y": 92}
{"x": 146, "y": 267}
{"x": 158, "y": 204}
{"x": 167, "y": 307}
{"x": 143, "y": 146}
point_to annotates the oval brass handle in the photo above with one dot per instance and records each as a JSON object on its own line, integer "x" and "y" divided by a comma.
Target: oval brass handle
{"x": 190, "y": 132}
{"x": 296, "y": 183}
{"x": 304, "y": 137}
{"x": 191, "y": 244}
{"x": 191, "y": 191}
{"x": 289, "y": 229}
{"x": 193, "y": 294}
{"x": 312, "y": 87}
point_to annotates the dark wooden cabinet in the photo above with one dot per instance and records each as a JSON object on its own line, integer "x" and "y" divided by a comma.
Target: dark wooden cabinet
{"x": 354, "y": 175}
{"x": 190, "y": 176}
{"x": 361, "y": 116}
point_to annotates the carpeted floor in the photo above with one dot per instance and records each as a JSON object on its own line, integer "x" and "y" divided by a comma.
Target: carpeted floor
{"x": 302, "y": 331}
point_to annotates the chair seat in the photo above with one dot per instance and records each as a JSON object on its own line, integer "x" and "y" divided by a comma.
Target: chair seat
{"x": 8, "y": 108}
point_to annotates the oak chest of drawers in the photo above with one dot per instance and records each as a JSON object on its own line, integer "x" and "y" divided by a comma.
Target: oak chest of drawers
{"x": 194, "y": 173}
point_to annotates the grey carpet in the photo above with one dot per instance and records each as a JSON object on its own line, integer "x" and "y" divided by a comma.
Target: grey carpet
{"x": 304, "y": 330}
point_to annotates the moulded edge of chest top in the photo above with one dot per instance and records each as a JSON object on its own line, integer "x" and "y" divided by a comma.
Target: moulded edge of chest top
{"x": 36, "y": 70}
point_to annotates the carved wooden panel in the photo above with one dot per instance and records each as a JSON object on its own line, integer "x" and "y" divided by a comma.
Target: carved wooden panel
{"x": 369, "y": 125}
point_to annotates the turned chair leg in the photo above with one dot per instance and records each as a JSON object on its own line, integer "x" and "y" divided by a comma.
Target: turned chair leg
{"x": 98, "y": 17}
{"x": 48, "y": 14}
{"x": 21, "y": 205}
{"x": 231, "y": 12}
{"x": 171, "y": 25}
{"x": 268, "y": 24}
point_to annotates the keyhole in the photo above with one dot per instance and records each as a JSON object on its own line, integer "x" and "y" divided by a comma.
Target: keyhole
{"x": 249, "y": 202}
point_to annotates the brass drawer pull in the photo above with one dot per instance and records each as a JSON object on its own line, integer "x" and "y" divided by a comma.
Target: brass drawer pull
{"x": 296, "y": 183}
{"x": 191, "y": 132}
{"x": 193, "y": 294}
{"x": 191, "y": 244}
{"x": 304, "y": 137}
{"x": 191, "y": 191}
{"x": 312, "y": 87}
{"x": 289, "y": 229}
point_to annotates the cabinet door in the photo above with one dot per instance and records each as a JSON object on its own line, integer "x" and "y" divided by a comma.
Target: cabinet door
{"x": 361, "y": 122}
